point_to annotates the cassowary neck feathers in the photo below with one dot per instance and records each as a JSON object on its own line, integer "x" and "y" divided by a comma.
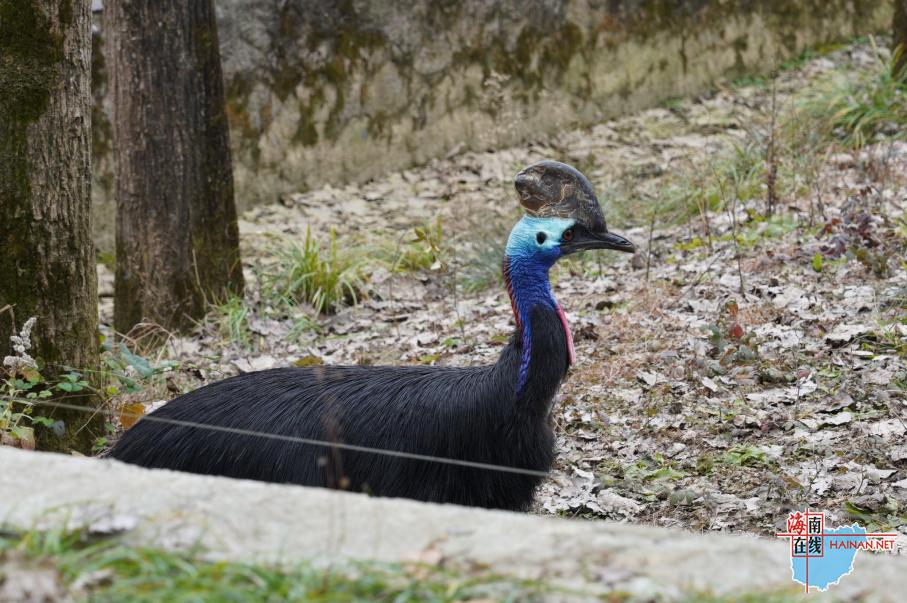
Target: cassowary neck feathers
{"x": 531, "y": 251}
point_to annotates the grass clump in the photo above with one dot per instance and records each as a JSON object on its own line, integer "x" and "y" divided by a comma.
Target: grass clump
{"x": 693, "y": 192}
{"x": 482, "y": 268}
{"x": 232, "y": 320}
{"x": 325, "y": 278}
{"x": 859, "y": 106}
{"x": 109, "y": 570}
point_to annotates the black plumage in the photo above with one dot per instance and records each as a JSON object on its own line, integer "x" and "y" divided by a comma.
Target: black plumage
{"x": 469, "y": 413}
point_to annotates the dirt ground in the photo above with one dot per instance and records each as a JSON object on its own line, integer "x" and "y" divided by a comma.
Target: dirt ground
{"x": 736, "y": 368}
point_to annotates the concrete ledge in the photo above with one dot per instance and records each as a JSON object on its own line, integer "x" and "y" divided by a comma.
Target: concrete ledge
{"x": 251, "y": 521}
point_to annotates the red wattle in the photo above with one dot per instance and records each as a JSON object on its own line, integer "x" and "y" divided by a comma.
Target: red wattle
{"x": 571, "y": 353}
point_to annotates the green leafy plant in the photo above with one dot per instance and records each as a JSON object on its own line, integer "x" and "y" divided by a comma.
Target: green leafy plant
{"x": 21, "y": 386}
{"x": 731, "y": 344}
{"x": 17, "y": 420}
{"x": 759, "y": 228}
{"x": 652, "y": 469}
{"x": 325, "y": 278}
{"x": 125, "y": 372}
{"x": 817, "y": 262}
{"x": 744, "y": 456}
{"x": 72, "y": 382}
{"x": 424, "y": 252}
{"x": 885, "y": 516}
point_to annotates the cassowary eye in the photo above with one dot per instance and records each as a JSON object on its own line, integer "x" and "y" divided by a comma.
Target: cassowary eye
{"x": 540, "y": 238}
{"x": 568, "y": 235}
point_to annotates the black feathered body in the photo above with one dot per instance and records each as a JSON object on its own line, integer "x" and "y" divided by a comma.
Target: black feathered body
{"x": 472, "y": 414}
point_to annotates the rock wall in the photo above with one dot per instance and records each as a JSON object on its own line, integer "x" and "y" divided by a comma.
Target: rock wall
{"x": 334, "y": 91}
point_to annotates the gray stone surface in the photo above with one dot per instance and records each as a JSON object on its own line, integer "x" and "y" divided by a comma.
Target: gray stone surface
{"x": 332, "y": 92}
{"x": 244, "y": 520}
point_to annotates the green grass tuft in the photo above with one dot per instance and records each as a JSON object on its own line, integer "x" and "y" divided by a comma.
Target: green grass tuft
{"x": 482, "y": 269}
{"x": 325, "y": 278}
{"x": 232, "y": 320}
{"x": 111, "y": 570}
{"x": 688, "y": 193}
{"x": 858, "y": 107}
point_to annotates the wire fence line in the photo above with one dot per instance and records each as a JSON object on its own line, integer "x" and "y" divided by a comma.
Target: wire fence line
{"x": 286, "y": 438}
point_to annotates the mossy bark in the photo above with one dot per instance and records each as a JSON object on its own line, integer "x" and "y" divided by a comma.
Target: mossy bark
{"x": 900, "y": 37}
{"x": 47, "y": 265}
{"x": 177, "y": 240}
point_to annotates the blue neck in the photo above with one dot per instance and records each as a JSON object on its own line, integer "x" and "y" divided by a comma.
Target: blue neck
{"x": 528, "y": 286}
{"x": 526, "y": 264}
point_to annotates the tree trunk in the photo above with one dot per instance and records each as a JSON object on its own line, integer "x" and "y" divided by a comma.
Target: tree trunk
{"x": 900, "y": 37}
{"x": 47, "y": 263}
{"x": 177, "y": 241}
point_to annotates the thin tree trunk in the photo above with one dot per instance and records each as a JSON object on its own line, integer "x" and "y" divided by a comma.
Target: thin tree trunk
{"x": 900, "y": 37}
{"x": 177, "y": 238}
{"x": 47, "y": 264}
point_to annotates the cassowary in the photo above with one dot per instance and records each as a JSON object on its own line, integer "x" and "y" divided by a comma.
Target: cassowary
{"x": 496, "y": 415}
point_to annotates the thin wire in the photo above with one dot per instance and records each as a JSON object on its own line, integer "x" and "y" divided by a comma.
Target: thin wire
{"x": 294, "y": 439}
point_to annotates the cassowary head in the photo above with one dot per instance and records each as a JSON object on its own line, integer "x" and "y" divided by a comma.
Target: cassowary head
{"x": 563, "y": 215}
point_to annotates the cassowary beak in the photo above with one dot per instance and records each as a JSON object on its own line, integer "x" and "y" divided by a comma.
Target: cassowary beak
{"x": 583, "y": 239}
